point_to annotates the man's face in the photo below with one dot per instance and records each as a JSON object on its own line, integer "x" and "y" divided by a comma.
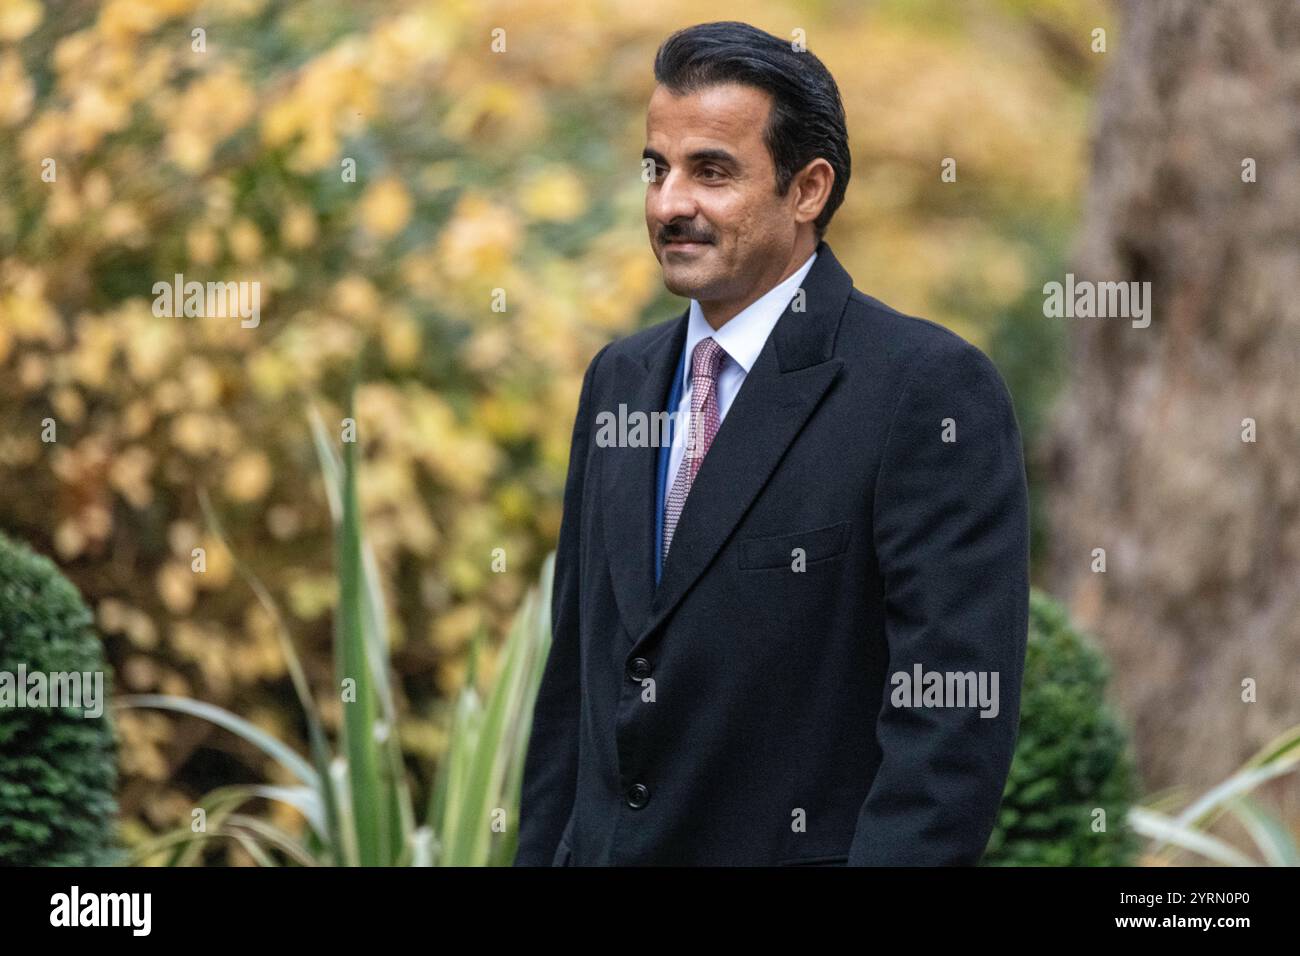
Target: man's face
{"x": 716, "y": 224}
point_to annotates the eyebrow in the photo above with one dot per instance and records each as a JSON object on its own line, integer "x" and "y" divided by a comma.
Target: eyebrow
{"x": 711, "y": 154}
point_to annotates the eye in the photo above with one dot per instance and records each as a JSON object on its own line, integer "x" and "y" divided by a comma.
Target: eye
{"x": 711, "y": 173}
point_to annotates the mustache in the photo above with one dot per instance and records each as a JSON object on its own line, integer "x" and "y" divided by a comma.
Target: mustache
{"x": 678, "y": 234}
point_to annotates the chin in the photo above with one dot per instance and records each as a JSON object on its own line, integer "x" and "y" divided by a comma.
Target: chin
{"x": 686, "y": 278}
{"x": 681, "y": 282}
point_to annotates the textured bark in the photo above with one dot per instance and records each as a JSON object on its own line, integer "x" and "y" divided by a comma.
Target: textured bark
{"x": 1201, "y": 529}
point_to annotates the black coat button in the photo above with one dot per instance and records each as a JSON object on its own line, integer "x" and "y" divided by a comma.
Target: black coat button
{"x": 638, "y": 795}
{"x": 639, "y": 669}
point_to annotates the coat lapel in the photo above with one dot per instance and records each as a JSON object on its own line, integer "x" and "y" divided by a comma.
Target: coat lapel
{"x": 628, "y": 479}
{"x": 788, "y": 379}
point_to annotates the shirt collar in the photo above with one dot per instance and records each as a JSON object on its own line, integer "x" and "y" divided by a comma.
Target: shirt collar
{"x": 742, "y": 337}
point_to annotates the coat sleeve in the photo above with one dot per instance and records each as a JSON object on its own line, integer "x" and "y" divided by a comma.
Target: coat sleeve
{"x": 551, "y": 762}
{"x": 951, "y": 533}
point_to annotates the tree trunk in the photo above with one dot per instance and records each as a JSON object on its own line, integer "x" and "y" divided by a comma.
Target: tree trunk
{"x": 1201, "y": 529}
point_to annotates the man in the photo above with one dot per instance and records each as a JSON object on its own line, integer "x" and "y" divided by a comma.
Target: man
{"x": 794, "y": 635}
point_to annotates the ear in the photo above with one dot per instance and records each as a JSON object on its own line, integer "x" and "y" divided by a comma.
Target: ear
{"x": 811, "y": 188}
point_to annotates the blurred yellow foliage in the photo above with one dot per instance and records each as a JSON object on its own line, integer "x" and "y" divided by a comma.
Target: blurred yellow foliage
{"x": 18, "y": 18}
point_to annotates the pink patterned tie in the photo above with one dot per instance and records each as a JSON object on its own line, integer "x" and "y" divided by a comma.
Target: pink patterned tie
{"x": 703, "y": 425}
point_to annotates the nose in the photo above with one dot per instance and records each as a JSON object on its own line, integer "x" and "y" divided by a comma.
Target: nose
{"x": 670, "y": 199}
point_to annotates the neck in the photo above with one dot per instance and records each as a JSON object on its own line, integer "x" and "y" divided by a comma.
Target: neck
{"x": 719, "y": 312}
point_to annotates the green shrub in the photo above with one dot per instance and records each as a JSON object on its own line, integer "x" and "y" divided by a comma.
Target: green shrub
{"x": 1071, "y": 757}
{"x": 57, "y": 766}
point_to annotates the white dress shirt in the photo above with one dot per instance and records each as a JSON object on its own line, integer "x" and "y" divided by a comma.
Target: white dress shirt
{"x": 742, "y": 337}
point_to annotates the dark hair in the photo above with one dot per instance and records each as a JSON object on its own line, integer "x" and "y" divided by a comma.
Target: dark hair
{"x": 807, "y": 118}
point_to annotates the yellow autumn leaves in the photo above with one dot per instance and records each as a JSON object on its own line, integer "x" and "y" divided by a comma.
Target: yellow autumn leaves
{"x": 18, "y": 18}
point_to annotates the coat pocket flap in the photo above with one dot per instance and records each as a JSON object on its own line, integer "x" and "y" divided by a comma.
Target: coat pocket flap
{"x": 777, "y": 551}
